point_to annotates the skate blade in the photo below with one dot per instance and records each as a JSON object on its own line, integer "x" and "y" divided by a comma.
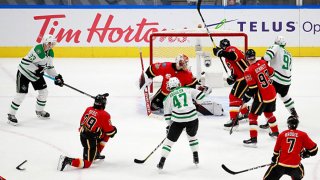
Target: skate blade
{"x": 12, "y": 123}
{"x": 235, "y": 128}
{"x": 61, "y": 158}
{"x": 253, "y": 145}
{"x": 43, "y": 118}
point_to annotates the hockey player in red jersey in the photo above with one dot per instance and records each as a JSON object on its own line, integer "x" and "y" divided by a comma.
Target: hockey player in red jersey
{"x": 291, "y": 146}
{"x": 237, "y": 64}
{"x": 257, "y": 76}
{"x": 167, "y": 70}
{"x": 95, "y": 131}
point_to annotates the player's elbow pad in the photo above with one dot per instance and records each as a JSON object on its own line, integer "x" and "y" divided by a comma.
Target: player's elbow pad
{"x": 112, "y": 133}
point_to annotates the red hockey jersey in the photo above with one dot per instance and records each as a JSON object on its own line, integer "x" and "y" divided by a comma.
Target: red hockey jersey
{"x": 258, "y": 75}
{"x": 289, "y": 145}
{"x": 166, "y": 70}
{"x": 239, "y": 65}
{"x": 97, "y": 121}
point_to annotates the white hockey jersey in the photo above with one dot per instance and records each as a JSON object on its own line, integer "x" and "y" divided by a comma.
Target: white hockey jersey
{"x": 178, "y": 105}
{"x": 35, "y": 58}
{"x": 281, "y": 61}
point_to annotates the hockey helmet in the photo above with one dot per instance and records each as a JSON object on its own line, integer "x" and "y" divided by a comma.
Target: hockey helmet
{"x": 292, "y": 122}
{"x": 224, "y": 43}
{"x": 280, "y": 41}
{"x": 49, "y": 40}
{"x": 250, "y": 55}
{"x": 173, "y": 83}
{"x": 100, "y": 101}
{"x": 182, "y": 61}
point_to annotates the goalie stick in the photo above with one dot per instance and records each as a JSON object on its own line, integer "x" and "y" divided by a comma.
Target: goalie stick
{"x": 205, "y": 25}
{"x": 144, "y": 160}
{"x": 146, "y": 92}
{"x": 238, "y": 172}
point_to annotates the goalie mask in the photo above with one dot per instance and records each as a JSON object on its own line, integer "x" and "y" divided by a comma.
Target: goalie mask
{"x": 182, "y": 62}
{"x": 224, "y": 43}
{"x": 280, "y": 41}
{"x": 49, "y": 41}
{"x": 292, "y": 122}
{"x": 100, "y": 101}
{"x": 173, "y": 83}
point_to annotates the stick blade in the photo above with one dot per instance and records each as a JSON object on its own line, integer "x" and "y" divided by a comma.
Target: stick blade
{"x": 228, "y": 170}
{"x": 139, "y": 161}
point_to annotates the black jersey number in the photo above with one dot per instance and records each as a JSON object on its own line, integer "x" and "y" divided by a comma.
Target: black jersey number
{"x": 263, "y": 79}
{"x": 89, "y": 122}
{"x": 292, "y": 142}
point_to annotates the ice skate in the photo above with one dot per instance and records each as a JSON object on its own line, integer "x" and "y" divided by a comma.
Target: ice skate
{"x": 12, "y": 119}
{"x": 252, "y": 142}
{"x": 99, "y": 156}
{"x": 231, "y": 123}
{"x": 264, "y": 126}
{"x": 274, "y": 134}
{"x": 43, "y": 114}
{"x": 161, "y": 163}
{"x": 195, "y": 157}
{"x": 63, "y": 162}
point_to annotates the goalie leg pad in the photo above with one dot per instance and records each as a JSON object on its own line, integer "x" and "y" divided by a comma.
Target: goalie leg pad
{"x": 213, "y": 107}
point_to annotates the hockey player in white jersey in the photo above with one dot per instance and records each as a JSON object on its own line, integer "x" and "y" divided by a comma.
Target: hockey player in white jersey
{"x": 31, "y": 70}
{"x": 180, "y": 112}
{"x": 281, "y": 61}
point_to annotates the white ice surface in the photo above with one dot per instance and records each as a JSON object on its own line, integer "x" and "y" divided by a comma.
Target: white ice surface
{"x": 41, "y": 142}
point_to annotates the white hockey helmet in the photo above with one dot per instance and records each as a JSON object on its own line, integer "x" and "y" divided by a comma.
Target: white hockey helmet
{"x": 280, "y": 41}
{"x": 50, "y": 40}
{"x": 182, "y": 61}
{"x": 173, "y": 83}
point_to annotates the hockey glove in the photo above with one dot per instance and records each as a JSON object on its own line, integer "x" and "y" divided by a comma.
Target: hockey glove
{"x": 274, "y": 159}
{"x": 205, "y": 89}
{"x": 144, "y": 81}
{"x": 39, "y": 71}
{"x": 231, "y": 79}
{"x": 58, "y": 80}
{"x": 305, "y": 154}
{"x": 217, "y": 51}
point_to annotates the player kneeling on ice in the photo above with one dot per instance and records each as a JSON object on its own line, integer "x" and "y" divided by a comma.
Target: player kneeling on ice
{"x": 180, "y": 113}
{"x": 95, "y": 131}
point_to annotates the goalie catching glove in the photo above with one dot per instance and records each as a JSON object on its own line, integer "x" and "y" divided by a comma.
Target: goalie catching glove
{"x": 205, "y": 89}
{"x": 144, "y": 81}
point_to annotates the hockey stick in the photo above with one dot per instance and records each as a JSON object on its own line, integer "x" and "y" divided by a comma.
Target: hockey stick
{"x": 205, "y": 25}
{"x": 19, "y": 166}
{"x": 52, "y": 78}
{"x": 235, "y": 121}
{"x": 237, "y": 172}
{"x": 144, "y": 160}
{"x": 146, "y": 92}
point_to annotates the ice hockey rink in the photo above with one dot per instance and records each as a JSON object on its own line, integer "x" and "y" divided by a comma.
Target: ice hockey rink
{"x": 41, "y": 142}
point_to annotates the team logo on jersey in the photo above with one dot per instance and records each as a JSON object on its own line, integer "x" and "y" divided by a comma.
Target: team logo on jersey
{"x": 168, "y": 76}
{"x": 164, "y": 64}
{"x": 38, "y": 51}
{"x": 157, "y": 66}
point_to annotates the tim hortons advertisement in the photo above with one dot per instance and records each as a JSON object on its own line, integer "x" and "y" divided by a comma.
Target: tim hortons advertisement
{"x": 132, "y": 27}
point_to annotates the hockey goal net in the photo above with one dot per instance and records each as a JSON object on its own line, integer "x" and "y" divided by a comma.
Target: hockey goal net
{"x": 197, "y": 45}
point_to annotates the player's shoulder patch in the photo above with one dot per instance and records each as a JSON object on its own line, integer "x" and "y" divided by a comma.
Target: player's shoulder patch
{"x": 38, "y": 49}
{"x": 248, "y": 77}
{"x": 157, "y": 65}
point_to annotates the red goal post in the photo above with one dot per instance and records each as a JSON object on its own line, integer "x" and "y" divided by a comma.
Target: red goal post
{"x": 166, "y": 45}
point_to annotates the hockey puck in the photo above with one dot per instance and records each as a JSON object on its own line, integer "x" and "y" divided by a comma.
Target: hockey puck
{"x": 19, "y": 166}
